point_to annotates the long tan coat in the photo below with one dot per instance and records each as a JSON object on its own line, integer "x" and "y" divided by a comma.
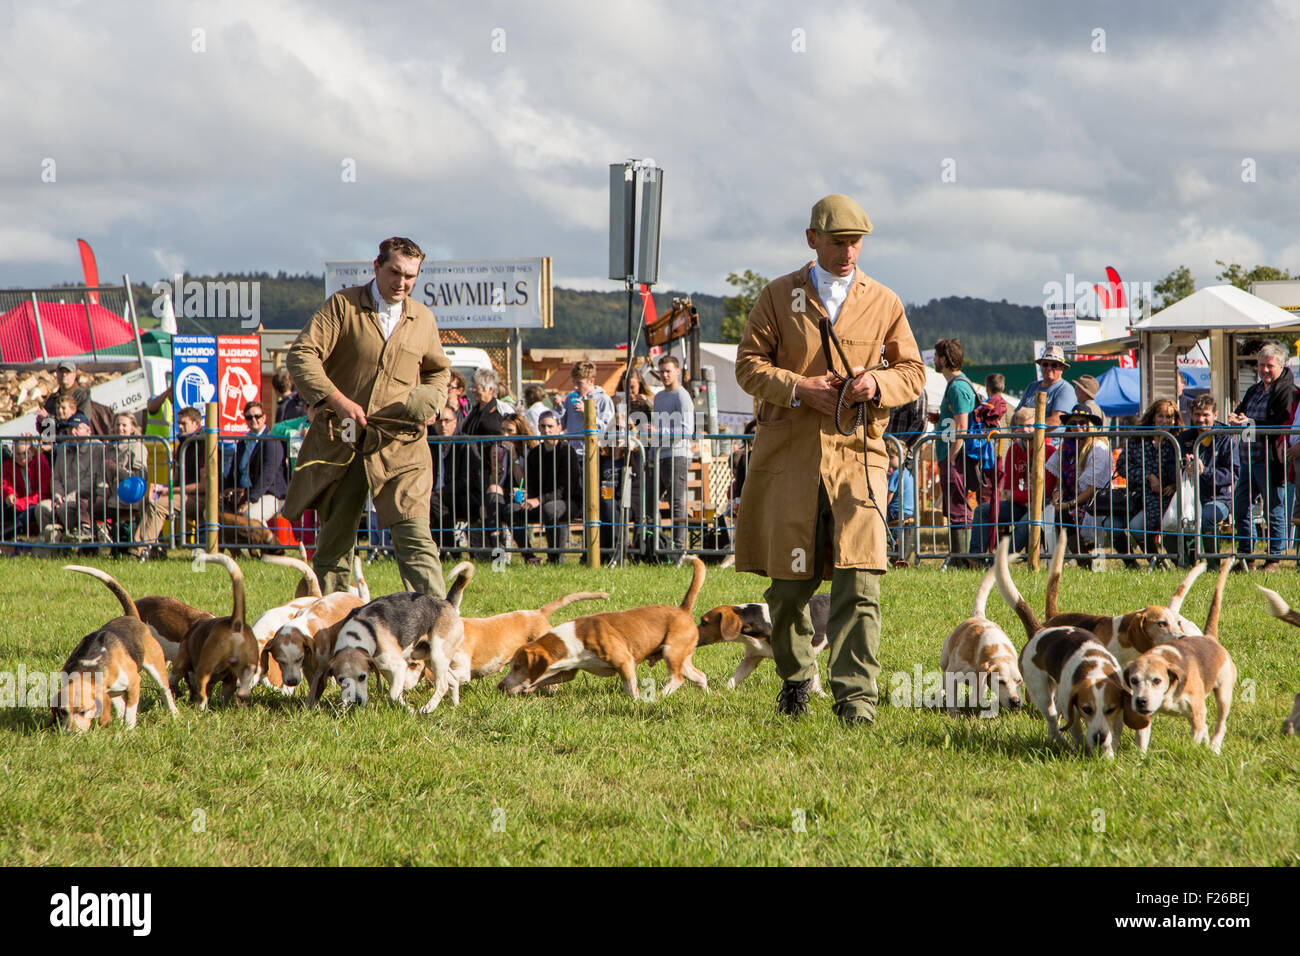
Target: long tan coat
{"x": 405, "y": 377}
{"x": 796, "y": 448}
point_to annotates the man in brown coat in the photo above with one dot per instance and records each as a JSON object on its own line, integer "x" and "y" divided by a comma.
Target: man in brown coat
{"x": 372, "y": 370}
{"x": 806, "y": 510}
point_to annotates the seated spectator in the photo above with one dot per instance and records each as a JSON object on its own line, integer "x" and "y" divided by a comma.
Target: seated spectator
{"x": 132, "y": 459}
{"x": 64, "y": 408}
{"x": 1211, "y": 461}
{"x": 451, "y": 501}
{"x": 551, "y": 471}
{"x": 189, "y": 465}
{"x": 262, "y": 469}
{"x": 26, "y": 487}
{"x": 1150, "y": 463}
{"x": 66, "y": 376}
{"x": 497, "y": 472}
{"x": 1083, "y": 467}
{"x": 81, "y": 471}
{"x": 1012, "y": 491}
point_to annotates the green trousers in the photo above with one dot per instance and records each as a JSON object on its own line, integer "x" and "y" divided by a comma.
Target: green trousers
{"x": 417, "y": 554}
{"x": 853, "y": 628}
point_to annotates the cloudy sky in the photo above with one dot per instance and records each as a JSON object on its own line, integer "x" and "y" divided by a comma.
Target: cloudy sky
{"x": 996, "y": 146}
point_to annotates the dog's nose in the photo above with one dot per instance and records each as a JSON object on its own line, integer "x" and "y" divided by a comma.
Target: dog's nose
{"x": 1015, "y": 703}
{"x": 1140, "y": 703}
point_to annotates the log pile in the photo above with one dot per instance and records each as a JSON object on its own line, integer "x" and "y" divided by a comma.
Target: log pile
{"x": 24, "y": 391}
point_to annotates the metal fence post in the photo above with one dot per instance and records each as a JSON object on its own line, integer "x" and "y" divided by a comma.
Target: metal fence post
{"x": 211, "y": 477}
{"x": 1036, "y": 487}
{"x": 591, "y": 483}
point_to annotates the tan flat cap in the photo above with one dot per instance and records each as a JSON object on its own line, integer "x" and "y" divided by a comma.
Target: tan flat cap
{"x": 837, "y": 214}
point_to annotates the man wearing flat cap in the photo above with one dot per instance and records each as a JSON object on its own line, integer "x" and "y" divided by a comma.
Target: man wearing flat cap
{"x": 811, "y": 508}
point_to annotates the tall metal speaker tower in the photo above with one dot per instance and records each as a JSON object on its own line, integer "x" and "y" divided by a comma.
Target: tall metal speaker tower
{"x": 635, "y": 204}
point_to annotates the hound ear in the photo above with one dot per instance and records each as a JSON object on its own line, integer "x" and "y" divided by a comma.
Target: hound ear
{"x": 1127, "y": 680}
{"x": 264, "y": 659}
{"x": 1070, "y": 708}
{"x": 1177, "y": 674}
{"x": 730, "y": 624}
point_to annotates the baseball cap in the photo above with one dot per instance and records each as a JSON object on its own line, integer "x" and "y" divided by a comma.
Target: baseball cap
{"x": 75, "y": 419}
{"x": 66, "y": 364}
{"x": 837, "y": 214}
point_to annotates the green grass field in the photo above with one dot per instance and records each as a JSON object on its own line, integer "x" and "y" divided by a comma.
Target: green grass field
{"x": 589, "y": 776}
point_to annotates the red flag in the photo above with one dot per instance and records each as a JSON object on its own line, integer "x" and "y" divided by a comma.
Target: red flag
{"x": 648, "y": 303}
{"x": 1117, "y": 299}
{"x": 89, "y": 268}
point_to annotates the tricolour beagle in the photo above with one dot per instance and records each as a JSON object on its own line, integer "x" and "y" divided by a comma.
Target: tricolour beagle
{"x": 1125, "y": 635}
{"x": 1069, "y": 674}
{"x": 752, "y": 623}
{"x": 102, "y": 675}
{"x": 614, "y": 643}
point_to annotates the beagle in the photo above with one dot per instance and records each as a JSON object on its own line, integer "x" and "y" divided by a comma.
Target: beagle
{"x": 391, "y": 633}
{"x": 1126, "y": 636}
{"x": 1177, "y": 677}
{"x": 490, "y": 642}
{"x": 1279, "y": 609}
{"x": 614, "y": 643}
{"x": 978, "y": 651}
{"x": 306, "y": 596}
{"x": 752, "y": 623}
{"x": 102, "y": 676}
{"x": 1068, "y": 673}
{"x": 169, "y": 620}
{"x": 292, "y": 649}
{"x": 220, "y": 649}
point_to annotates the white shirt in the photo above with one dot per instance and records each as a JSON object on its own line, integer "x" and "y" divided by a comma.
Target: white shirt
{"x": 831, "y": 289}
{"x": 390, "y": 313}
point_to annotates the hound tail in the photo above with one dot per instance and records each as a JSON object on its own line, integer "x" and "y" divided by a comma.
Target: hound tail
{"x": 1212, "y": 616}
{"x": 1008, "y": 590}
{"x": 546, "y": 610}
{"x": 309, "y": 585}
{"x": 1050, "y": 609}
{"x": 128, "y": 605}
{"x": 1176, "y": 602}
{"x": 363, "y": 588}
{"x": 982, "y": 593}
{"x": 236, "y": 585}
{"x": 697, "y": 582}
{"x": 461, "y": 575}
{"x": 1279, "y": 608}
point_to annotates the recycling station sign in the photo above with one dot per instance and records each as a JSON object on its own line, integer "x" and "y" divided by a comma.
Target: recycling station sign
{"x": 226, "y": 369}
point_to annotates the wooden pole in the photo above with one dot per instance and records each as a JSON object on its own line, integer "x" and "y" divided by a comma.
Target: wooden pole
{"x": 211, "y": 479}
{"x": 1036, "y": 485}
{"x": 591, "y": 484}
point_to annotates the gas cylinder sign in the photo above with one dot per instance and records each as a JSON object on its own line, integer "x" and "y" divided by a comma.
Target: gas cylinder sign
{"x": 226, "y": 369}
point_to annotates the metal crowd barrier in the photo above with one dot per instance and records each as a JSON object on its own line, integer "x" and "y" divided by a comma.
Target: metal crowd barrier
{"x": 1146, "y": 506}
{"x": 63, "y": 493}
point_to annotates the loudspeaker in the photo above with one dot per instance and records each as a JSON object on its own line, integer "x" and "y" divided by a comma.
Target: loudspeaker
{"x": 652, "y": 194}
{"x": 622, "y": 219}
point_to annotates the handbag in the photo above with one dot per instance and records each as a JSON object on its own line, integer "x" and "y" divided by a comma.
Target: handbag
{"x": 1176, "y": 519}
